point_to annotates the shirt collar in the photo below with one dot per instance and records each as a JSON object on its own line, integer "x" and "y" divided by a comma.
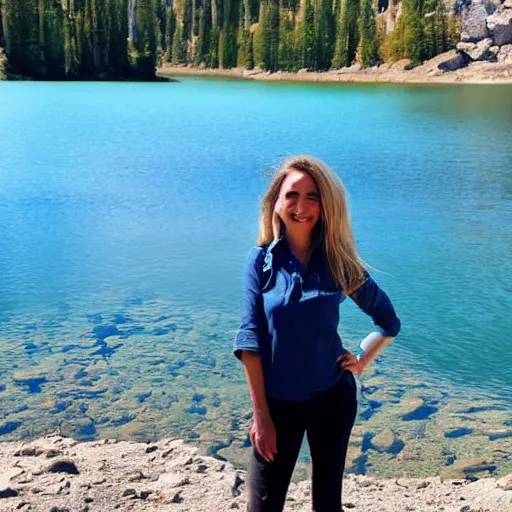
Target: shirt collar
{"x": 280, "y": 246}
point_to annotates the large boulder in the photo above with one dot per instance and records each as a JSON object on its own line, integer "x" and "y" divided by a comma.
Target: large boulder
{"x": 505, "y": 54}
{"x": 477, "y": 51}
{"x": 499, "y": 25}
{"x": 473, "y": 22}
{"x": 453, "y": 62}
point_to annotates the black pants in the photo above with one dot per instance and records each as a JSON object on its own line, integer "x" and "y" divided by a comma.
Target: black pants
{"x": 327, "y": 420}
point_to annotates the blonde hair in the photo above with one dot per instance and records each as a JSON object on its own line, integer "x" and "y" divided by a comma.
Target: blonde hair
{"x": 333, "y": 229}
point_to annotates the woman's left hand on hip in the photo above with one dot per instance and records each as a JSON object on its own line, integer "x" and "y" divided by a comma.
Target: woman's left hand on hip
{"x": 350, "y": 362}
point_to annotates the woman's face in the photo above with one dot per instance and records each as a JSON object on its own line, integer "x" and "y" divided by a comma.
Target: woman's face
{"x": 298, "y": 203}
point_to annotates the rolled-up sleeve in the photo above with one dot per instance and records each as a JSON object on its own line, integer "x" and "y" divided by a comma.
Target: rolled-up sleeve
{"x": 253, "y": 322}
{"x": 375, "y": 303}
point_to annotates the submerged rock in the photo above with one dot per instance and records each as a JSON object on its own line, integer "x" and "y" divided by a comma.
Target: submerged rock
{"x": 459, "y": 432}
{"x": 82, "y": 429}
{"x": 384, "y": 440}
{"x": 32, "y": 382}
{"x": 10, "y": 426}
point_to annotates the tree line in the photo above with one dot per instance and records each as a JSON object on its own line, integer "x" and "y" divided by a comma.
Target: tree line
{"x": 62, "y": 39}
{"x": 129, "y": 38}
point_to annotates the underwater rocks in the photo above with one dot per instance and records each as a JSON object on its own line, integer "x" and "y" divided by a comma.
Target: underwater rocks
{"x": 31, "y": 382}
{"x": 82, "y": 429}
{"x": 8, "y": 427}
{"x": 186, "y": 383}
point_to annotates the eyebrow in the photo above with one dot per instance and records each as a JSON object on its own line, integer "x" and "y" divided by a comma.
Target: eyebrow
{"x": 294, "y": 193}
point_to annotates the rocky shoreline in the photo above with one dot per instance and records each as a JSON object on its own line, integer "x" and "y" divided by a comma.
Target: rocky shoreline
{"x": 57, "y": 474}
{"x": 434, "y": 71}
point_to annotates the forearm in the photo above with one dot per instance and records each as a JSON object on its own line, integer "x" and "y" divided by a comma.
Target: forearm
{"x": 255, "y": 380}
{"x": 376, "y": 342}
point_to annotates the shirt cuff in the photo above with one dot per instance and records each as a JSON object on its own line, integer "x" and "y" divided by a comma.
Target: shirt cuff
{"x": 245, "y": 340}
{"x": 392, "y": 330}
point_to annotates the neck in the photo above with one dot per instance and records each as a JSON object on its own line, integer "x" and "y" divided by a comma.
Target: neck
{"x": 299, "y": 246}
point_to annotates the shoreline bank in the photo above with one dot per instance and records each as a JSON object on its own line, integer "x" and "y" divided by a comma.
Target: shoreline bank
{"x": 428, "y": 73}
{"x": 53, "y": 471}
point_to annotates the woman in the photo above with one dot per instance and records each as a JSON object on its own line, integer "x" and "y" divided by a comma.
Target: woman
{"x": 300, "y": 378}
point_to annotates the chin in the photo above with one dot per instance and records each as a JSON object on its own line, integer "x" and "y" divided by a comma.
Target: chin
{"x": 302, "y": 228}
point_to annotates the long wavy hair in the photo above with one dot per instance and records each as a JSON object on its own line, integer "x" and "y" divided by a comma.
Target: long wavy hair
{"x": 333, "y": 229}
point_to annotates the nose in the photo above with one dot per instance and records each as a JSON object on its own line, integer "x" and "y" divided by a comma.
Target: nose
{"x": 300, "y": 206}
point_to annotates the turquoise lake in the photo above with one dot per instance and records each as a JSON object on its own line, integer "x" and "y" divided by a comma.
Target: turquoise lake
{"x": 126, "y": 214}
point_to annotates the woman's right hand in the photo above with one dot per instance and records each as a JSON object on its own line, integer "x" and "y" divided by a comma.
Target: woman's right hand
{"x": 263, "y": 437}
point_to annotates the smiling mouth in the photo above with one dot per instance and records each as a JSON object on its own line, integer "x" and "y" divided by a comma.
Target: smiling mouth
{"x": 301, "y": 219}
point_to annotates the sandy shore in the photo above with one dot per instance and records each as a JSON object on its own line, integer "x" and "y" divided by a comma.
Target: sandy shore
{"x": 59, "y": 474}
{"x": 428, "y": 73}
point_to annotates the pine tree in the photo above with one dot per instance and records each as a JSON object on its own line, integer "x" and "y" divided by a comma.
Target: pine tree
{"x": 347, "y": 36}
{"x": 269, "y": 35}
{"x": 146, "y": 45}
{"x": 227, "y": 46}
{"x": 308, "y": 37}
{"x": 245, "y": 55}
{"x": 430, "y": 40}
{"x": 179, "y": 44}
{"x": 368, "y": 50}
{"x": 203, "y": 42}
{"x": 286, "y": 46}
{"x": 412, "y": 31}
{"x": 23, "y": 46}
{"x": 440, "y": 32}
{"x": 2, "y": 35}
{"x": 325, "y": 31}
{"x": 214, "y": 47}
{"x": 117, "y": 29}
{"x": 99, "y": 41}
{"x": 170, "y": 27}
{"x": 51, "y": 35}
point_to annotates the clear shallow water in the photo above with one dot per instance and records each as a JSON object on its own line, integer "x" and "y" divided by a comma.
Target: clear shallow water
{"x": 121, "y": 204}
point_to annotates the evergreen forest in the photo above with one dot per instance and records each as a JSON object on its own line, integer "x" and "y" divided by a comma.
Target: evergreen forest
{"x": 129, "y": 39}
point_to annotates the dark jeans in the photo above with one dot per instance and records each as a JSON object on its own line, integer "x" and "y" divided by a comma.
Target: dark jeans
{"x": 327, "y": 420}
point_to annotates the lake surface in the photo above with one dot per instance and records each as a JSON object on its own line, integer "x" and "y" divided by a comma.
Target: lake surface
{"x": 127, "y": 211}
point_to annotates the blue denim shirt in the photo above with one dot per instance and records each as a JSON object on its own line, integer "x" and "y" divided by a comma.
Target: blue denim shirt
{"x": 290, "y": 316}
